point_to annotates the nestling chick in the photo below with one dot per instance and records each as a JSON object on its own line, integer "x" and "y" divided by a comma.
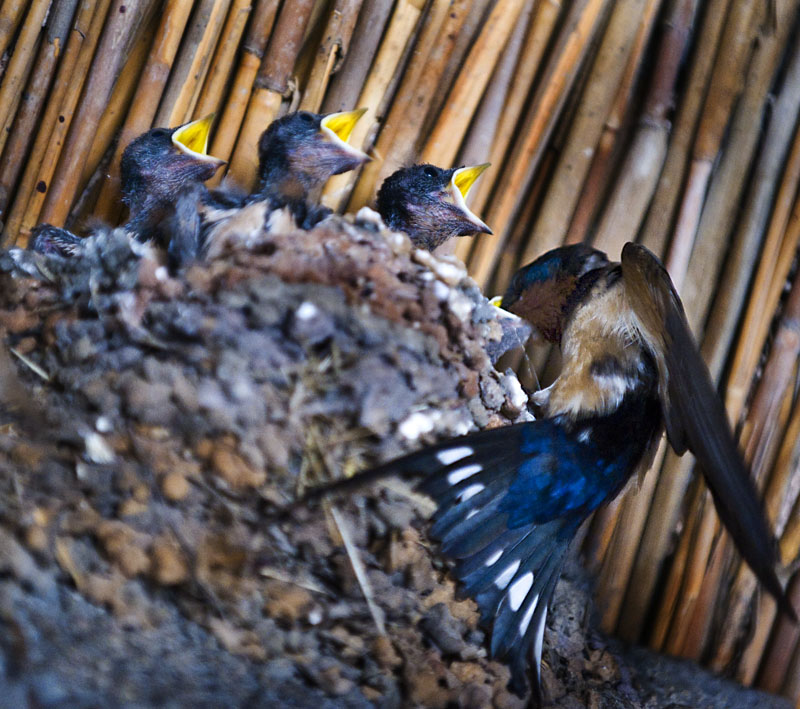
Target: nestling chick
{"x": 297, "y": 155}
{"x": 156, "y": 169}
{"x": 428, "y": 203}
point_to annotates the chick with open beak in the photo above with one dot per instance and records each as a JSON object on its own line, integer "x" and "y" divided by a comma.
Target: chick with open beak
{"x": 297, "y": 155}
{"x": 300, "y": 151}
{"x": 156, "y": 170}
{"x": 429, "y": 203}
{"x": 158, "y": 165}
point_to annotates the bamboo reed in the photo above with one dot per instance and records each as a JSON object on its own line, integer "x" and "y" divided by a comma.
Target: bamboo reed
{"x": 271, "y": 82}
{"x": 777, "y": 383}
{"x": 602, "y": 86}
{"x": 331, "y": 51}
{"x": 603, "y": 160}
{"x": 642, "y": 167}
{"x": 745, "y": 132}
{"x": 726, "y": 84}
{"x": 123, "y": 19}
{"x": 222, "y": 64}
{"x": 396, "y": 144}
{"x": 478, "y": 141}
{"x": 786, "y": 635}
{"x": 481, "y": 136}
{"x": 10, "y": 16}
{"x": 481, "y": 250}
{"x": 33, "y": 99}
{"x": 121, "y": 98}
{"x": 676, "y": 471}
{"x": 255, "y": 44}
{"x": 145, "y": 102}
{"x": 346, "y": 85}
{"x": 192, "y": 63}
{"x": 559, "y": 77}
{"x": 462, "y": 101}
{"x": 665, "y": 202}
{"x": 745, "y": 585}
{"x": 399, "y": 32}
{"x": 19, "y": 64}
{"x": 58, "y": 117}
{"x": 619, "y": 558}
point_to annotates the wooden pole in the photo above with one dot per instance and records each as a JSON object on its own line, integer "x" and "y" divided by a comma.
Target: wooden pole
{"x": 399, "y": 135}
{"x": 404, "y": 20}
{"x": 528, "y": 150}
{"x": 271, "y": 82}
{"x": 33, "y": 99}
{"x": 255, "y": 44}
{"x": 124, "y": 18}
{"x": 57, "y": 119}
{"x": 192, "y": 63}
{"x": 145, "y": 102}
{"x": 332, "y": 51}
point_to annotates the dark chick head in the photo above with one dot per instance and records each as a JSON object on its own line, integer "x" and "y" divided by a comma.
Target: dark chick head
{"x": 427, "y": 203}
{"x": 299, "y": 152}
{"x": 544, "y": 291}
{"x": 157, "y": 165}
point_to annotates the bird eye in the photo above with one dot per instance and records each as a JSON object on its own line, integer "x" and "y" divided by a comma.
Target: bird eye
{"x": 430, "y": 171}
{"x": 306, "y": 117}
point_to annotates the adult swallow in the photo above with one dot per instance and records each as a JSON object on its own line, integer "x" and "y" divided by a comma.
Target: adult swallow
{"x": 511, "y": 499}
{"x": 155, "y": 171}
{"x": 429, "y": 203}
{"x": 297, "y": 154}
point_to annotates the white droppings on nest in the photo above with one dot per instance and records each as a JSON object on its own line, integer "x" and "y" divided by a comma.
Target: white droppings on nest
{"x": 97, "y": 450}
{"x": 366, "y": 215}
{"x": 103, "y": 424}
{"x": 315, "y": 616}
{"x": 440, "y": 290}
{"x": 418, "y": 424}
{"x": 306, "y": 311}
{"x": 452, "y": 272}
{"x": 460, "y": 305}
{"x": 517, "y": 398}
{"x": 162, "y": 274}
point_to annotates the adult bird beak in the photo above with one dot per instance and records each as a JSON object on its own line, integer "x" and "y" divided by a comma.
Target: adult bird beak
{"x": 337, "y": 127}
{"x": 192, "y": 140}
{"x": 460, "y": 184}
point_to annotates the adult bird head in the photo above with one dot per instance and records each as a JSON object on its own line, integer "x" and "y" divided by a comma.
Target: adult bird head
{"x": 159, "y": 163}
{"x": 428, "y": 203}
{"x": 545, "y": 292}
{"x": 300, "y": 151}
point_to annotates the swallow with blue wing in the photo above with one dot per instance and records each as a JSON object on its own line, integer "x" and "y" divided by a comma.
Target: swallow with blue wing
{"x": 511, "y": 499}
{"x": 429, "y": 203}
{"x": 297, "y": 154}
{"x": 155, "y": 170}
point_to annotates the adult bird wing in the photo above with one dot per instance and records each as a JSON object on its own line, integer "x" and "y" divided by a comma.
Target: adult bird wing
{"x": 694, "y": 415}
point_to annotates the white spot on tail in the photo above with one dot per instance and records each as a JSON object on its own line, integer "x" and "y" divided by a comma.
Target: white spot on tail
{"x": 519, "y": 589}
{"x": 471, "y": 491}
{"x": 451, "y": 455}
{"x": 492, "y": 560}
{"x": 463, "y": 473}
{"x": 526, "y": 619}
{"x": 471, "y": 514}
{"x": 502, "y": 580}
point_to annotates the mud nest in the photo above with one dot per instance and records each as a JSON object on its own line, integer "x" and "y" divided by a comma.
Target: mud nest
{"x": 155, "y": 425}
